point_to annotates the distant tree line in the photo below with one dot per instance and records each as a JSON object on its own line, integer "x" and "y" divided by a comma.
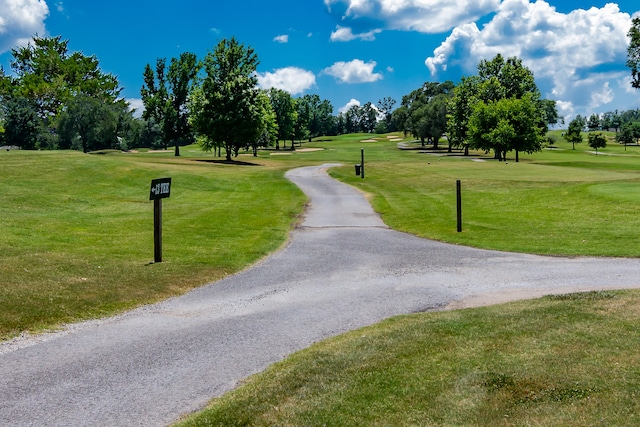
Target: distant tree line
{"x": 58, "y": 99}
{"x": 498, "y": 110}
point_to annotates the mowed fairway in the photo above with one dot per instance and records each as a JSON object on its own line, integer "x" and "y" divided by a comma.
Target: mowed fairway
{"x": 77, "y": 229}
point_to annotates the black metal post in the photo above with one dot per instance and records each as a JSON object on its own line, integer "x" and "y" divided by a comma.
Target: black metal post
{"x": 459, "y": 203}
{"x": 362, "y": 163}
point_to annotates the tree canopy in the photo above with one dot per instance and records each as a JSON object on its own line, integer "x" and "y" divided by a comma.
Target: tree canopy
{"x": 165, "y": 96}
{"x": 574, "y": 133}
{"x": 426, "y": 106}
{"x": 49, "y": 80}
{"x": 227, "y": 108}
{"x": 502, "y": 99}
{"x": 633, "y": 52}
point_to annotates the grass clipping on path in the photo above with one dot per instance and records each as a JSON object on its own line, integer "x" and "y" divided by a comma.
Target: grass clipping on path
{"x": 565, "y": 360}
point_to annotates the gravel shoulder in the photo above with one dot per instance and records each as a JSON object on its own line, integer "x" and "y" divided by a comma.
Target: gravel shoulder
{"x": 342, "y": 269}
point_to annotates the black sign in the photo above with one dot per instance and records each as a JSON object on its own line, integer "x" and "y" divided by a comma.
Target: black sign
{"x": 160, "y": 188}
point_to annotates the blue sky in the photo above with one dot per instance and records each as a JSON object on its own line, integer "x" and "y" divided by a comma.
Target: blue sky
{"x": 354, "y": 51}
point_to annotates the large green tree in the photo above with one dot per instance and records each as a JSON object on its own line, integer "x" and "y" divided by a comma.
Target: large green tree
{"x": 268, "y": 124}
{"x": 459, "y": 111}
{"x": 226, "y": 110}
{"x": 368, "y": 117}
{"x": 597, "y": 140}
{"x": 574, "y": 133}
{"x": 314, "y": 117}
{"x": 498, "y": 79}
{"x": 506, "y": 124}
{"x": 21, "y": 123}
{"x": 90, "y": 121}
{"x": 385, "y": 106}
{"x": 48, "y": 74}
{"x": 50, "y": 77}
{"x": 427, "y": 111}
{"x": 284, "y": 107}
{"x": 165, "y": 95}
{"x": 633, "y": 52}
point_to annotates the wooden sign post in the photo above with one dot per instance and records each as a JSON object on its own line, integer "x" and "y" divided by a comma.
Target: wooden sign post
{"x": 160, "y": 189}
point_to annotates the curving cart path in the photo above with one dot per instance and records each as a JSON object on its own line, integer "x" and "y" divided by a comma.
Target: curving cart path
{"x": 342, "y": 269}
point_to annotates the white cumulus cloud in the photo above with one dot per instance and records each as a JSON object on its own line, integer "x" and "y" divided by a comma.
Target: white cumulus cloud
{"x": 345, "y": 34}
{"x": 426, "y": 16}
{"x": 356, "y": 71}
{"x": 136, "y": 105}
{"x": 20, "y": 20}
{"x": 290, "y": 79}
{"x": 573, "y": 56}
{"x": 348, "y": 105}
{"x": 284, "y": 38}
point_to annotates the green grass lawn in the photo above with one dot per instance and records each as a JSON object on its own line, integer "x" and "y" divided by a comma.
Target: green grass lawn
{"x": 77, "y": 231}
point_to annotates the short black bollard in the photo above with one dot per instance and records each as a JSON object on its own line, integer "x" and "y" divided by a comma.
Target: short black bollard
{"x": 357, "y": 170}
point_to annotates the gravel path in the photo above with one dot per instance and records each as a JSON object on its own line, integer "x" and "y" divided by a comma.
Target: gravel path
{"x": 342, "y": 269}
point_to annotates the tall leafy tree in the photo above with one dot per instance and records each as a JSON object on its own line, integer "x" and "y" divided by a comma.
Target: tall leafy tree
{"x": 550, "y": 108}
{"x": 385, "y": 106}
{"x": 498, "y": 79}
{"x": 597, "y": 140}
{"x": 633, "y": 52}
{"x": 400, "y": 117}
{"x": 352, "y": 119}
{"x": 284, "y": 107}
{"x": 594, "y": 122}
{"x": 427, "y": 110}
{"x": 574, "y": 133}
{"x": 47, "y": 73}
{"x": 506, "y": 124}
{"x": 368, "y": 117}
{"x": 304, "y": 113}
{"x": 21, "y": 123}
{"x": 51, "y": 78}
{"x": 315, "y": 117}
{"x": 165, "y": 95}
{"x": 92, "y": 121}
{"x": 629, "y": 133}
{"x": 611, "y": 120}
{"x": 226, "y": 108}
{"x": 459, "y": 111}
{"x": 268, "y": 124}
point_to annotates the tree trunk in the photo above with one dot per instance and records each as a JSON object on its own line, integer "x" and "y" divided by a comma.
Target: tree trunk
{"x": 517, "y": 157}
{"x": 227, "y": 148}
{"x": 177, "y": 154}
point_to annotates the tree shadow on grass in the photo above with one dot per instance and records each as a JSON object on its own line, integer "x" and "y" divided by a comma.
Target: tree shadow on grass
{"x": 228, "y": 162}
